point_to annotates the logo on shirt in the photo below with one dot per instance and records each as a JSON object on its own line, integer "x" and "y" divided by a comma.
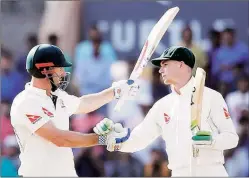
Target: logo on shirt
{"x": 62, "y": 103}
{"x": 48, "y": 113}
{"x": 33, "y": 118}
{"x": 166, "y": 118}
{"x": 226, "y": 113}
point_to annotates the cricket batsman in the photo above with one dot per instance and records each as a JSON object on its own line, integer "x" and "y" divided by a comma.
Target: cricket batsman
{"x": 170, "y": 117}
{"x": 40, "y": 116}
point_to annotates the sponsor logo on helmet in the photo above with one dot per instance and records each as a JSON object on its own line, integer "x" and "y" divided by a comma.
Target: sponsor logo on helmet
{"x": 46, "y": 64}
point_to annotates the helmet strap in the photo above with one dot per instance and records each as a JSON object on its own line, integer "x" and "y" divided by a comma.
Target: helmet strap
{"x": 51, "y": 80}
{"x": 62, "y": 85}
{"x": 54, "y": 87}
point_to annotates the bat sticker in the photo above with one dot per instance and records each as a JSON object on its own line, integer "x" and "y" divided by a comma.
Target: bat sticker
{"x": 192, "y": 102}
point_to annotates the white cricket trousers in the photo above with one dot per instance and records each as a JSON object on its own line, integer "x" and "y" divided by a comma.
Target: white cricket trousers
{"x": 216, "y": 170}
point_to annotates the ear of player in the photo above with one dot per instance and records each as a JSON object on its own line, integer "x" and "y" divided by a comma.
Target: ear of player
{"x": 129, "y": 87}
{"x": 112, "y": 135}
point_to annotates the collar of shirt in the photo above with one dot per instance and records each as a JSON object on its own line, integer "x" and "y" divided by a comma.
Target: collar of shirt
{"x": 186, "y": 89}
{"x": 35, "y": 90}
{"x": 39, "y": 91}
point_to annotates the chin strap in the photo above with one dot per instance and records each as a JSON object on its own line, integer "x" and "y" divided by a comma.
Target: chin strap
{"x": 54, "y": 87}
{"x": 64, "y": 81}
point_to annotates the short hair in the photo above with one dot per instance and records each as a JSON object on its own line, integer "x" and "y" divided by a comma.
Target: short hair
{"x": 53, "y": 39}
{"x": 243, "y": 77}
{"x": 94, "y": 27}
{"x": 187, "y": 28}
{"x": 229, "y": 30}
{"x": 213, "y": 32}
{"x": 6, "y": 101}
{"x": 244, "y": 120}
{"x": 6, "y": 53}
{"x": 32, "y": 39}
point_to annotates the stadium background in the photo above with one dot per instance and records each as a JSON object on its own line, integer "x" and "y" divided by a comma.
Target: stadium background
{"x": 118, "y": 30}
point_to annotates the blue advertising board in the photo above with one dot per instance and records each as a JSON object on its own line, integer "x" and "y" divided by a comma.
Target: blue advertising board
{"x": 126, "y": 24}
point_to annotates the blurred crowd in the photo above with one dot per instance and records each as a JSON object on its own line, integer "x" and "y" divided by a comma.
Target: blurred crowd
{"x": 96, "y": 66}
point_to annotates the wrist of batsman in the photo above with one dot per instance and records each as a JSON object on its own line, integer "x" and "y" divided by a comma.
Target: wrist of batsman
{"x": 102, "y": 139}
{"x": 115, "y": 139}
{"x": 202, "y": 138}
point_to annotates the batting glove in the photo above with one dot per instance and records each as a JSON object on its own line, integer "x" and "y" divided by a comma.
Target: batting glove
{"x": 202, "y": 139}
{"x": 104, "y": 126}
{"x": 125, "y": 86}
{"x": 115, "y": 138}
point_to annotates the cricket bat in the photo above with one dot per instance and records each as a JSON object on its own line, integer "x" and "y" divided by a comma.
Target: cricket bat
{"x": 149, "y": 47}
{"x": 196, "y": 109}
{"x": 196, "y": 99}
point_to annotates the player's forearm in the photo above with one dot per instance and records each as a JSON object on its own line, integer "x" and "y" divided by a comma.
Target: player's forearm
{"x": 92, "y": 102}
{"x": 225, "y": 140}
{"x": 137, "y": 141}
{"x": 75, "y": 139}
{"x": 131, "y": 146}
{"x": 143, "y": 134}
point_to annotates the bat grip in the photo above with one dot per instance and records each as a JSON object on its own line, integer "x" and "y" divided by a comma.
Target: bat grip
{"x": 119, "y": 104}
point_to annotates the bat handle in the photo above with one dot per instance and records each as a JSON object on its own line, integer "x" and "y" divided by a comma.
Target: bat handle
{"x": 119, "y": 104}
{"x": 121, "y": 100}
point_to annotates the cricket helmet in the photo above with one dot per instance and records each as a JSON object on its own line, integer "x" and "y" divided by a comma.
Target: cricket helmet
{"x": 42, "y": 58}
{"x": 177, "y": 53}
{"x": 45, "y": 56}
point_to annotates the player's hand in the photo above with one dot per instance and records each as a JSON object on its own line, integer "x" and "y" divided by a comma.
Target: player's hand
{"x": 202, "y": 139}
{"x": 117, "y": 137}
{"x": 125, "y": 86}
{"x": 104, "y": 126}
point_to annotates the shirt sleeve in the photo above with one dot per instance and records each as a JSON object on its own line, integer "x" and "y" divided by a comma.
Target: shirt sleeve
{"x": 227, "y": 137}
{"x": 144, "y": 134}
{"x": 71, "y": 102}
{"x": 34, "y": 115}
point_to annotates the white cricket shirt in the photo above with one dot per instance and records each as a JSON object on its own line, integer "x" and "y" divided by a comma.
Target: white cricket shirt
{"x": 31, "y": 109}
{"x": 170, "y": 118}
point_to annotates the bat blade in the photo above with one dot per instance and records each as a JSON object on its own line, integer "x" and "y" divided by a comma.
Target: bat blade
{"x": 196, "y": 109}
{"x": 153, "y": 40}
{"x": 197, "y": 96}
{"x": 149, "y": 47}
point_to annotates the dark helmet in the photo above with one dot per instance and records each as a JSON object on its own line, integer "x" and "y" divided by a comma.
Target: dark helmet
{"x": 42, "y": 58}
{"x": 45, "y": 56}
{"x": 177, "y": 53}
